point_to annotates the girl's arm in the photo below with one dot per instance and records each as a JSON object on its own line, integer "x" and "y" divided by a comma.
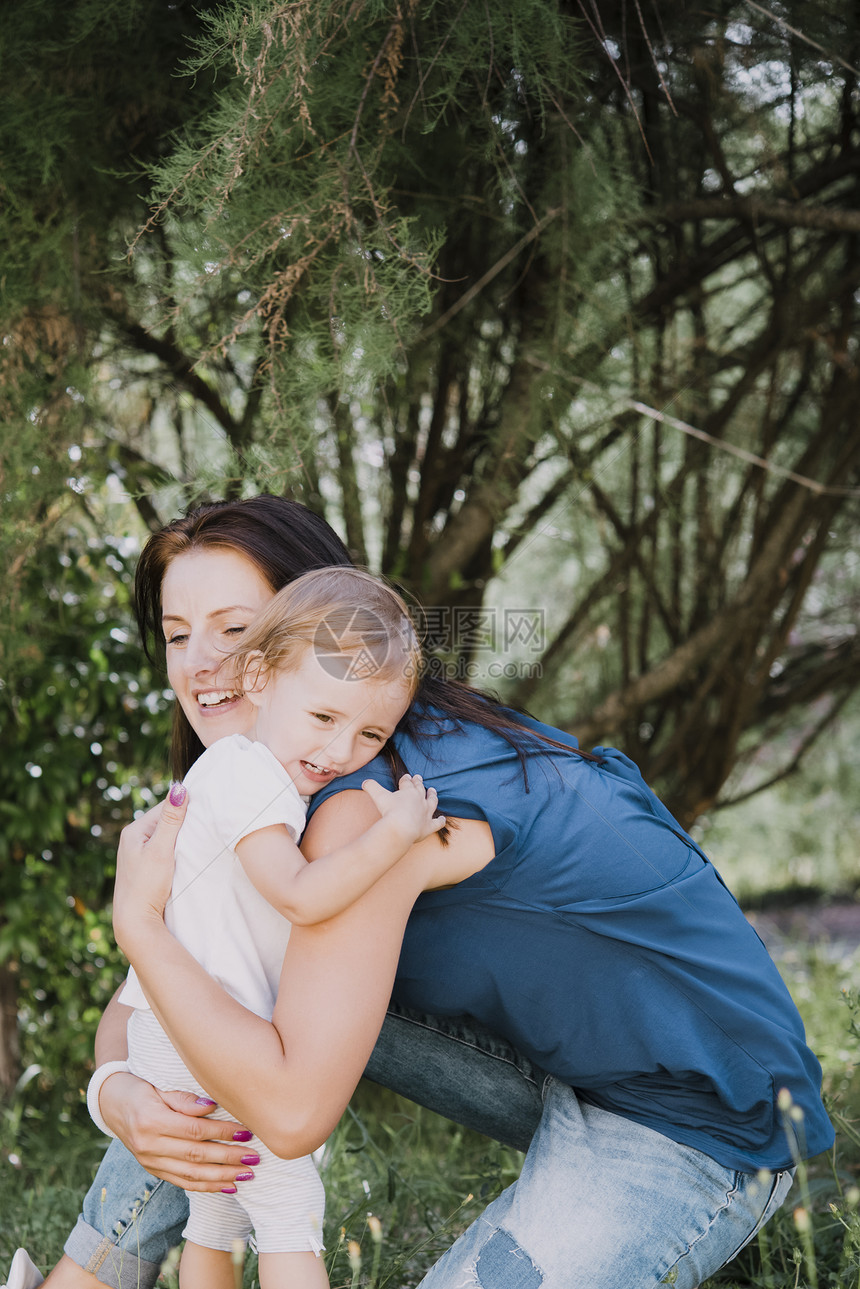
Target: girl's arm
{"x": 308, "y": 893}
{"x": 288, "y": 1080}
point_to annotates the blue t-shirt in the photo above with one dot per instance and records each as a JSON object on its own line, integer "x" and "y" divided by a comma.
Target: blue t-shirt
{"x": 603, "y": 944}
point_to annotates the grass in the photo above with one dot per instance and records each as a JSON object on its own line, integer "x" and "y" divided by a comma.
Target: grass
{"x": 402, "y": 1183}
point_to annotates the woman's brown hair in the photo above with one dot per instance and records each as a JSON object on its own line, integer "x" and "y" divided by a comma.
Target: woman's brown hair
{"x": 284, "y": 540}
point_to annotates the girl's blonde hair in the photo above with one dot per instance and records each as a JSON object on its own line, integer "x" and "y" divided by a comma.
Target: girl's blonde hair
{"x": 357, "y": 625}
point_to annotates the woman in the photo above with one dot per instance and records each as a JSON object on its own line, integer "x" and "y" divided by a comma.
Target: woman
{"x": 567, "y": 911}
{"x": 240, "y": 878}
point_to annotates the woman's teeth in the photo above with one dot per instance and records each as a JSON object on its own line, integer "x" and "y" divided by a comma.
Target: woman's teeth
{"x": 216, "y": 696}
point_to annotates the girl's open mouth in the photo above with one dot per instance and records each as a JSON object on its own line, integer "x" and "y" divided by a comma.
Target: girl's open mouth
{"x": 316, "y": 771}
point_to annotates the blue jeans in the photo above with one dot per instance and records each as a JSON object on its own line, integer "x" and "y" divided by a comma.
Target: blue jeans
{"x": 601, "y": 1201}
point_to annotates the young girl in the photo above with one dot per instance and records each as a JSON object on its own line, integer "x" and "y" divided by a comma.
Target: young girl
{"x": 331, "y": 666}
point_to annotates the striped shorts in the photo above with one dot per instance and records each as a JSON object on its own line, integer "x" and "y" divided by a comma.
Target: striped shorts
{"x": 283, "y": 1206}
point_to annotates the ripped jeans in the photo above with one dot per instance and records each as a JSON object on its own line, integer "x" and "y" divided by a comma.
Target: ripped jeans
{"x": 601, "y": 1202}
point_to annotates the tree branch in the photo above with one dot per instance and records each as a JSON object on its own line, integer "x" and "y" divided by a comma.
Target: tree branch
{"x": 756, "y": 210}
{"x": 718, "y": 635}
{"x": 794, "y": 764}
{"x": 180, "y": 366}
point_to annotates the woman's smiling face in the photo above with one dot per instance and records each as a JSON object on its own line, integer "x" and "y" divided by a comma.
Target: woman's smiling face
{"x": 208, "y": 597}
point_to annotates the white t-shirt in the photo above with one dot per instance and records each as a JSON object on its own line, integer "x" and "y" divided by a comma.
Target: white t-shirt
{"x": 235, "y": 788}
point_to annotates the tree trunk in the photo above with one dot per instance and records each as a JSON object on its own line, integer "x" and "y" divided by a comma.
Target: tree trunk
{"x": 10, "y": 1051}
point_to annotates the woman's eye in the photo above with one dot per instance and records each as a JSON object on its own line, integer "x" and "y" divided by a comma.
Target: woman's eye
{"x": 233, "y": 631}
{"x": 177, "y": 639}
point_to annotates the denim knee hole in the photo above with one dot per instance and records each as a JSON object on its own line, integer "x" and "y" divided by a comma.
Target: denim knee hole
{"x": 503, "y": 1261}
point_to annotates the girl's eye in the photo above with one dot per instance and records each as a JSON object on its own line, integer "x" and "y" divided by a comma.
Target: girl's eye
{"x": 321, "y": 716}
{"x": 371, "y": 734}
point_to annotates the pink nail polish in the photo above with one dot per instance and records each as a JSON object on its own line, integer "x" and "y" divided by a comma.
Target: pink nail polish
{"x": 177, "y": 794}
{"x": 242, "y": 1135}
{"x": 245, "y": 1177}
{"x": 204, "y": 1101}
{"x": 228, "y": 1190}
{"x": 250, "y": 1159}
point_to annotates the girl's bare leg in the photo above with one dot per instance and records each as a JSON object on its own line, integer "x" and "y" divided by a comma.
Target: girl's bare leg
{"x": 202, "y": 1268}
{"x": 292, "y": 1271}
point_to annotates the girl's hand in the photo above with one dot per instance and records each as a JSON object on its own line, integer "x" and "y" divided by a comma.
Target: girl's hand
{"x": 411, "y": 808}
{"x": 144, "y": 868}
{"x": 171, "y": 1136}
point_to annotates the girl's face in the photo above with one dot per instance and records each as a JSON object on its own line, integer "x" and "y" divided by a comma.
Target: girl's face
{"x": 321, "y": 727}
{"x": 208, "y": 598}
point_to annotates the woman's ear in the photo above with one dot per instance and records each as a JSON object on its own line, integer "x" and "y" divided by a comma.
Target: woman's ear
{"x": 254, "y": 676}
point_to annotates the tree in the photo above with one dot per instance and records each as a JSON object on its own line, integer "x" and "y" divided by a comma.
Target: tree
{"x": 471, "y": 247}
{"x": 550, "y": 308}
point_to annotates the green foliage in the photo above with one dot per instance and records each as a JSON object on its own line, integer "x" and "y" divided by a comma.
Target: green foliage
{"x": 426, "y": 267}
{"x": 331, "y": 189}
{"x": 100, "y": 74}
{"x": 84, "y": 734}
{"x": 421, "y": 1179}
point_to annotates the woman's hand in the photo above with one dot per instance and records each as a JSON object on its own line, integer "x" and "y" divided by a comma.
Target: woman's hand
{"x": 171, "y": 1136}
{"x": 144, "y": 868}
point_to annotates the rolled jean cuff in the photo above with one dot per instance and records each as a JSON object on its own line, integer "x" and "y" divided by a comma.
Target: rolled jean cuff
{"x": 110, "y": 1263}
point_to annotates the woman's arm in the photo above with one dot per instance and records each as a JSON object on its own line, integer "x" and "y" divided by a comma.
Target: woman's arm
{"x": 288, "y": 1080}
{"x": 308, "y": 893}
{"x": 168, "y": 1132}
{"x": 111, "y": 1040}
